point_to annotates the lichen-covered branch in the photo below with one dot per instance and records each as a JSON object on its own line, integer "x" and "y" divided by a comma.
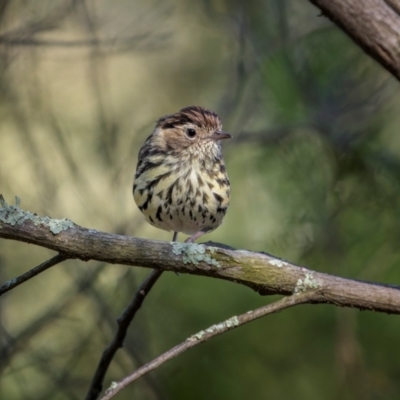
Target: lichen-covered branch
{"x": 373, "y": 24}
{"x": 262, "y": 272}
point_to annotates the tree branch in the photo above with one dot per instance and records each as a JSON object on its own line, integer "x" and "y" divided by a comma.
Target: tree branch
{"x": 123, "y": 324}
{"x": 261, "y": 272}
{"x": 373, "y": 24}
{"x": 207, "y": 334}
{"x": 12, "y": 283}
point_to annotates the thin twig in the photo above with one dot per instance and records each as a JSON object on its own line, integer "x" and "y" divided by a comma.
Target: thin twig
{"x": 117, "y": 342}
{"x": 207, "y": 334}
{"x": 18, "y": 342}
{"x": 12, "y": 283}
{"x": 29, "y": 41}
{"x": 123, "y": 324}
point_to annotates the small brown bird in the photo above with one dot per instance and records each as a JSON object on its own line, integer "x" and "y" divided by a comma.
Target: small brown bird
{"x": 181, "y": 184}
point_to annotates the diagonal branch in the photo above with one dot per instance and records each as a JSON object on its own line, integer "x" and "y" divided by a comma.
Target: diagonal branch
{"x": 260, "y": 271}
{"x": 208, "y": 334}
{"x": 12, "y": 283}
{"x": 123, "y": 324}
{"x": 373, "y": 24}
{"x": 124, "y": 321}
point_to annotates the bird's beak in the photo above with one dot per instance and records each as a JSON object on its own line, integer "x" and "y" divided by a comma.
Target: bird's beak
{"x": 219, "y": 135}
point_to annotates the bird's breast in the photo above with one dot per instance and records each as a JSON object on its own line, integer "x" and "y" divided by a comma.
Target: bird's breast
{"x": 184, "y": 196}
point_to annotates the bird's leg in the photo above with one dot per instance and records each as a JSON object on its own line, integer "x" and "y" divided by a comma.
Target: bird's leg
{"x": 194, "y": 237}
{"x": 174, "y": 237}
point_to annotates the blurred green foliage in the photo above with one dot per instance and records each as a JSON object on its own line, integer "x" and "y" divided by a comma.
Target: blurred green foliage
{"x": 314, "y": 166}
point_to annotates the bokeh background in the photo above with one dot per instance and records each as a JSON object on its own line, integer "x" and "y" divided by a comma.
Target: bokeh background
{"x": 314, "y": 166}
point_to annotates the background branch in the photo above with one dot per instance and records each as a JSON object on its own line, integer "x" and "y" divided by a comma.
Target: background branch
{"x": 373, "y": 24}
{"x": 12, "y": 283}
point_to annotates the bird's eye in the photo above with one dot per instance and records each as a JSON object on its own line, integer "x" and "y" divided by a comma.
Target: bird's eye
{"x": 190, "y": 133}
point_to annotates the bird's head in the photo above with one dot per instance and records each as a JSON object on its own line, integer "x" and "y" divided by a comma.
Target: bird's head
{"x": 193, "y": 128}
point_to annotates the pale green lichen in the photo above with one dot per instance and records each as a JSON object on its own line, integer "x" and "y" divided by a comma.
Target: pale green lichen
{"x": 58, "y": 225}
{"x": 222, "y": 326}
{"x": 13, "y": 215}
{"x": 309, "y": 282}
{"x": 197, "y": 336}
{"x": 278, "y": 263}
{"x": 193, "y": 253}
{"x": 232, "y": 322}
{"x": 113, "y": 386}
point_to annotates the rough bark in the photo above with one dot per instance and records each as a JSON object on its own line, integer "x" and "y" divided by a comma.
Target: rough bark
{"x": 373, "y": 24}
{"x": 262, "y": 272}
